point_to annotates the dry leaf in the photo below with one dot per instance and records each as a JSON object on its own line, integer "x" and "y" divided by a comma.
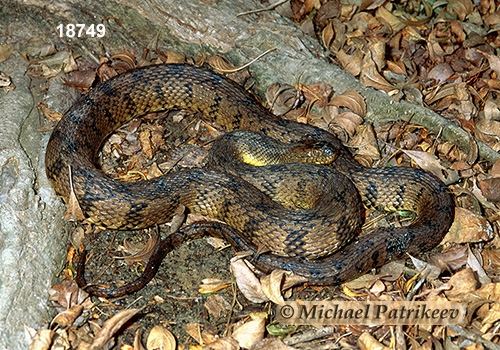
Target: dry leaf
{"x": 60, "y": 61}
{"x": 492, "y": 110}
{"x": 431, "y": 163}
{"x": 463, "y": 282}
{"x": 427, "y": 269}
{"x": 147, "y": 146}
{"x": 82, "y": 80}
{"x": 477, "y": 266}
{"x": 352, "y": 100}
{"x": 123, "y": 61}
{"x": 452, "y": 259}
{"x": 68, "y": 317}
{"x": 273, "y": 343}
{"x": 371, "y": 77}
{"x": 489, "y": 291}
{"x": 170, "y": 56}
{"x": 73, "y": 210}
{"x": 137, "y": 341}
{"x": 67, "y": 294}
{"x": 283, "y": 98}
{"x": 111, "y": 326}
{"x": 387, "y": 17}
{"x": 42, "y": 340}
{"x": 347, "y": 121}
{"x": 36, "y": 47}
{"x": 49, "y": 114}
{"x": 220, "y": 64}
{"x": 351, "y": 63}
{"x": 392, "y": 271}
{"x": 365, "y": 281}
{"x": 271, "y": 285}
{"x": 217, "y": 306}
{"x": 202, "y": 337}
{"x": 378, "y": 52}
{"x": 319, "y": 93}
{"x": 138, "y": 252}
{"x": 491, "y": 318}
{"x": 462, "y": 8}
{"x": 365, "y": 142}
{"x": 227, "y": 343}
{"x": 327, "y": 35}
{"x": 250, "y": 332}
{"x": 161, "y": 338}
{"x": 247, "y": 282}
{"x": 211, "y": 285}
{"x": 441, "y": 72}
{"x": 468, "y": 227}
{"x": 491, "y": 258}
{"x": 6, "y": 83}
{"x": 5, "y": 51}
{"x": 368, "y": 342}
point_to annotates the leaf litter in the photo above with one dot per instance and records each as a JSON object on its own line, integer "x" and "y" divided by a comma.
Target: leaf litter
{"x": 442, "y": 55}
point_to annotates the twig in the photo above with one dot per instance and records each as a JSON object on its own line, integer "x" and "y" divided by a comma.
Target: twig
{"x": 311, "y": 335}
{"x": 473, "y": 336}
{"x": 262, "y": 10}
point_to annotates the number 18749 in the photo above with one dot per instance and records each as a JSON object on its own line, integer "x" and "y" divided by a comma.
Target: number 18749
{"x": 71, "y": 30}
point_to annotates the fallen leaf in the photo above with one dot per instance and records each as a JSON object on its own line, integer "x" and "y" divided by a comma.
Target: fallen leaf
{"x": 431, "y": 163}
{"x": 364, "y": 282}
{"x": 217, "y": 306}
{"x": 160, "y": 338}
{"x": 250, "y": 332}
{"x": 42, "y": 340}
{"x": 319, "y": 93}
{"x": 5, "y": 51}
{"x": 82, "y": 80}
{"x": 427, "y": 269}
{"x": 67, "y": 294}
{"x": 492, "y": 317}
{"x": 271, "y": 286}
{"x": 275, "y": 343}
{"x": 111, "y": 326}
{"x": 49, "y": 114}
{"x": 123, "y": 61}
{"x": 365, "y": 142}
{"x": 350, "y": 62}
{"x": 68, "y": 317}
{"x": 211, "y": 285}
{"x": 221, "y": 64}
{"x": 346, "y": 121}
{"x": 371, "y": 77}
{"x": 367, "y": 342}
{"x": 247, "y": 282}
{"x": 196, "y": 331}
{"x": 463, "y": 282}
{"x": 73, "y": 210}
{"x": 282, "y": 98}
{"x": 36, "y": 47}
{"x": 352, "y": 100}
{"x": 477, "y": 266}
{"x": 468, "y": 228}
{"x": 227, "y": 343}
{"x": 138, "y": 252}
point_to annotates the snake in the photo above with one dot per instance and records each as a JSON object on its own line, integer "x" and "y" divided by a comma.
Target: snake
{"x": 270, "y": 219}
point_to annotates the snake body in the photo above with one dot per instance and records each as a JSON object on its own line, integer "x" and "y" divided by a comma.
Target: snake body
{"x": 317, "y": 243}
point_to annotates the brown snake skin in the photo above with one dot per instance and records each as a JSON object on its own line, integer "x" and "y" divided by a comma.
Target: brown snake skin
{"x": 304, "y": 241}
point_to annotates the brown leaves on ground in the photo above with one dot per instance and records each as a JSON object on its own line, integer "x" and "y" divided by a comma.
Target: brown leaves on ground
{"x": 443, "y": 56}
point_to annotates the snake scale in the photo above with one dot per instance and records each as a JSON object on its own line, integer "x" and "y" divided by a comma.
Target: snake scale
{"x": 322, "y": 245}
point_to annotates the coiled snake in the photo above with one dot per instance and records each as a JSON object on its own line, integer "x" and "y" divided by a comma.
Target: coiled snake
{"x": 320, "y": 244}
